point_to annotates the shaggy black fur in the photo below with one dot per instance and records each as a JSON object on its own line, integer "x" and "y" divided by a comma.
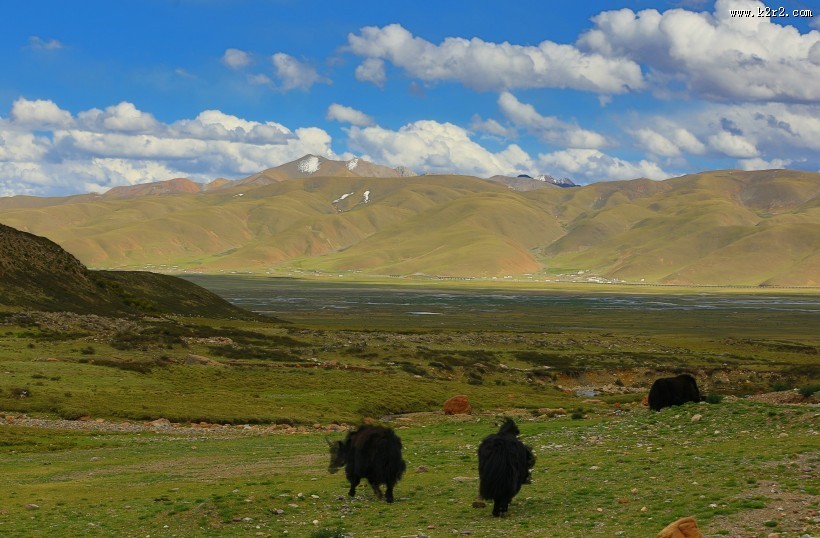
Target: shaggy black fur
{"x": 669, "y": 391}
{"x": 372, "y": 453}
{"x": 504, "y": 464}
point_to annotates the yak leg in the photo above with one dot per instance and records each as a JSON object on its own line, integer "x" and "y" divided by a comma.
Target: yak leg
{"x": 376, "y": 489}
{"x": 496, "y": 507}
{"x": 354, "y": 481}
{"x": 389, "y": 494}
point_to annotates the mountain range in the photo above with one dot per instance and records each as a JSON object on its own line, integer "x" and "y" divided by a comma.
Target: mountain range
{"x": 724, "y": 227}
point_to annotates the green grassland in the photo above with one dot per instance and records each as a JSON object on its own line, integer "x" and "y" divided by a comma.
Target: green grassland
{"x": 600, "y": 461}
{"x": 742, "y": 470}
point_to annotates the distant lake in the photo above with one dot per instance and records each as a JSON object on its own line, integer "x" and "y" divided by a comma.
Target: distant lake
{"x": 381, "y": 306}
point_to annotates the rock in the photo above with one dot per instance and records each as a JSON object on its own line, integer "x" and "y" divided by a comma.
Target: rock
{"x": 160, "y": 423}
{"x": 32, "y": 506}
{"x": 645, "y": 401}
{"x": 421, "y": 469}
{"x": 479, "y": 504}
{"x": 685, "y": 527}
{"x": 696, "y": 418}
{"x": 458, "y": 405}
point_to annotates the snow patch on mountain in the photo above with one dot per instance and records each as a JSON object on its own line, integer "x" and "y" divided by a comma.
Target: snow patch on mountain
{"x": 309, "y": 165}
{"x": 342, "y": 197}
{"x": 352, "y": 164}
{"x": 366, "y": 196}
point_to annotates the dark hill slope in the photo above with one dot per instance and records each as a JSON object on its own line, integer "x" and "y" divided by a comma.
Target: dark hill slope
{"x": 35, "y": 273}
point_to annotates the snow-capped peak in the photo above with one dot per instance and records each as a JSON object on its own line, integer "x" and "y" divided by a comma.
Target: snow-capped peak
{"x": 309, "y": 164}
{"x": 352, "y": 164}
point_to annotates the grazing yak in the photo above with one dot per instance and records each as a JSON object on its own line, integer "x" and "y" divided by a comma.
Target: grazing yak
{"x": 504, "y": 464}
{"x": 372, "y": 453}
{"x": 669, "y": 391}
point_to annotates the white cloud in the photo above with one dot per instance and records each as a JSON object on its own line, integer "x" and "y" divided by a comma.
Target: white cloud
{"x": 372, "y": 70}
{"x": 761, "y": 164}
{"x": 38, "y": 43}
{"x": 715, "y": 55}
{"x": 548, "y": 128}
{"x": 122, "y": 117}
{"x": 43, "y": 150}
{"x": 492, "y": 127}
{"x": 294, "y": 74}
{"x": 235, "y": 58}
{"x": 732, "y": 145}
{"x": 430, "y": 146}
{"x": 484, "y": 65}
{"x": 345, "y": 114}
{"x": 39, "y": 114}
{"x": 656, "y": 143}
{"x": 591, "y": 165}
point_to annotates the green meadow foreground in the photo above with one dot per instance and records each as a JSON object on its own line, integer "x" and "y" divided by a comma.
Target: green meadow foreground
{"x": 251, "y": 402}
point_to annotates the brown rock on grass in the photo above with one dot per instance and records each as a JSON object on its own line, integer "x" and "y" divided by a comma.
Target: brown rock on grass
{"x": 685, "y": 527}
{"x": 458, "y": 405}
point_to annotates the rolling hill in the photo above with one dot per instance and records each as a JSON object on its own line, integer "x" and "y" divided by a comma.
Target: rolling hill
{"x": 721, "y": 227}
{"x": 37, "y": 274}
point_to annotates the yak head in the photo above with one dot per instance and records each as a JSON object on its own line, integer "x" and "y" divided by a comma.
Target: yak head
{"x": 508, "y": 428}
{"x": 338, "y": 455}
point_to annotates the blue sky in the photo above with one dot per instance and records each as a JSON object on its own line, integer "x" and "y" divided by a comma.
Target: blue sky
{"x": 98, "y": 94}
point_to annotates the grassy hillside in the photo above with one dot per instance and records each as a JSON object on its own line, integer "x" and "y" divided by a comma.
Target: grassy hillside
{"x": 723, "y": 227}
{"x": 36, "y": 273}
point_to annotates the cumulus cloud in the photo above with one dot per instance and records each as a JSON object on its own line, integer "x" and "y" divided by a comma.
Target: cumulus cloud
{"x": 548, "y": 128}
{"x": 39, "y": 114}
{"x": 46, "y": 151}
{"x": 717, "y": 56}
{"x": 121, "y": 117}
{"x": 435, "y": 147}
{"x": 668, "y": 140}
{"x": 372, "y": 70}
{"x": 491, "y": 127}
{"x": 484, "y": 65}
{"x": 591, "y": 165}
{"x": 235, "y": 58}
{"x": 345, "y": 114}
{"x": 732, "y": 145}
{"x": 762, "y": 164}
{"x": 293, "y": 74}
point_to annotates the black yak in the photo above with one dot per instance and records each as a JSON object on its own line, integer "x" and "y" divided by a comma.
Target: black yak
{"x": 504, "y": 464}
{"x": 372, "y": 453}
{"x": 669, "y": 391}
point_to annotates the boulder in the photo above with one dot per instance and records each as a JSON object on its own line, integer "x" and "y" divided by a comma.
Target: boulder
{"x": 458, "y": 405}
{"x": 685, "y": 527}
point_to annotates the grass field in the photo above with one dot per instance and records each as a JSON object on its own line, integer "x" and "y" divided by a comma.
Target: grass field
{"x": 742, "y": 470}
{"x": 599, "y": 463}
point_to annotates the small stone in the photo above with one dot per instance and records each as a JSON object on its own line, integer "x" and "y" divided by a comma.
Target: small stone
{"x": 278, "y": 511}
{"x": 421, "y": 469}
{"x": 774, "y": 535}
{"x": 623, "y": 500}
{"x": 782, "y": 435}
{"x": 594, "y": 468}
{"x": 644, "y": 509}
{"x": 696, "y": 418}
{"x": 315, "y": 521}
{"x": 599, "y": 509}
{"x": 479, "y": 504}
{"x": 294, "y": 505}
{"x": 314, "y": 496}
{"x": 32, "y": 506}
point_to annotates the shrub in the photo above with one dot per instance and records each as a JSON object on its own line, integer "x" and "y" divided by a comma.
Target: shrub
{"x": 780, "y": 386}
{"x": 713, "y": 398}
{"x": 577, "y": 415}
{"x": 88, "y": 350}
{"x": 808, "y": 390}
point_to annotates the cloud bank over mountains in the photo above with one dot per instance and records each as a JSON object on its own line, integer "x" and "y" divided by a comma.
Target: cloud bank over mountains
{"x": 677, "y": 91}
